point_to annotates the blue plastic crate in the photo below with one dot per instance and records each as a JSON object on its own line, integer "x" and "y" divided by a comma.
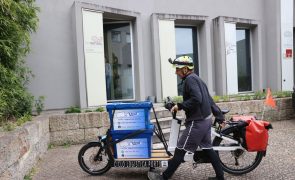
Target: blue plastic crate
{"x": 129, "y": 116}
{"x": 135, "y": 147}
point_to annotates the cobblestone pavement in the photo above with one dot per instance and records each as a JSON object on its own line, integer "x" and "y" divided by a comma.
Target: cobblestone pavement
{"x": 61, "y": 162}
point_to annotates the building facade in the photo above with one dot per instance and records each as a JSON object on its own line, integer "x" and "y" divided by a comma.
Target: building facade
{"x": 89, "y": 52}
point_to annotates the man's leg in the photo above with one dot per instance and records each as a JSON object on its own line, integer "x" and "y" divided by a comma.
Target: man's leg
{"x": 206, "y": 146}
{"x": 174, "y": 163}
{"x": 214, "y": 159}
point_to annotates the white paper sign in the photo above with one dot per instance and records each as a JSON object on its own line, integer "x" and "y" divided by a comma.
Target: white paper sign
{"x": 129, "y": 119}
{"x": 133, "y": 148}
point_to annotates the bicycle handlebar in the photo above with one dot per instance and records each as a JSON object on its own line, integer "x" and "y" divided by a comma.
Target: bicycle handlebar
{"x": 174, "y": 117}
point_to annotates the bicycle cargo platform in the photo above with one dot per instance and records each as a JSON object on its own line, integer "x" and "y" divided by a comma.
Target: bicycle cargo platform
{"x": 159, "y": 158}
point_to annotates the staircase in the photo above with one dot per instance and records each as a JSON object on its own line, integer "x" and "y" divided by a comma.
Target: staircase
{"x": 164, "y": 117}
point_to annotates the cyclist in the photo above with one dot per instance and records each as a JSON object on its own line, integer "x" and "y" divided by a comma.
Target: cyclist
{"x": 198, "y": 106}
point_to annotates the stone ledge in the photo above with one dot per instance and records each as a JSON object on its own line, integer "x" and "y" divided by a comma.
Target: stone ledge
{"x": 284, "y": 110}
{"x": 21, "y": 148}
{"x": 78, "y": 127}
{"x": 63, "y": 122}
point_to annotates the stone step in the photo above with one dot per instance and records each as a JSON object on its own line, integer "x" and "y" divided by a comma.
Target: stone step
{"x": 164, "y": 117}
{"x": 158, "y": 145}
{"x": 162, "y": 112}
{"x": 165, "y": 122}
{"x": 166, "y": 133}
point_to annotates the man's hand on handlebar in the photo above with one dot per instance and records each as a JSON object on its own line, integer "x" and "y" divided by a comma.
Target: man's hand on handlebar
{"x": 222, "y": 125}
{"x": 174, "y": 109}
{"x": 169, "y": 103}
{"x": 221, "y": 122}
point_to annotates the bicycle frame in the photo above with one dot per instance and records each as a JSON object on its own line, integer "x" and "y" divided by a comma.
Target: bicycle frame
{"x": 174, "y": 135}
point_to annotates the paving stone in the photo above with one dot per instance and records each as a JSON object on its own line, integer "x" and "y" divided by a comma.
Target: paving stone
{"x": 61, "y": 163}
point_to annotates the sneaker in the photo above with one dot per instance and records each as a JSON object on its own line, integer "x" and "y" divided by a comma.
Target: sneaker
{"x": 155, "y": 176}
{"x": 215, "y": 178}
{"x": 212, "y": 178}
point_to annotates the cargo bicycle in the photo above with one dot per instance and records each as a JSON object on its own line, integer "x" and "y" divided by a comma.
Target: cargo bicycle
{"x": 97, "y": 157}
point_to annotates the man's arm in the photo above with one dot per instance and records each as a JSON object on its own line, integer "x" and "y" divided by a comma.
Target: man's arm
{"x": 195, "y": 96}
{"x": 215, "y": 109}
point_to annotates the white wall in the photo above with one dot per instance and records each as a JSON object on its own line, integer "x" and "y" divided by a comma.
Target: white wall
{"x": 53, "y": 59}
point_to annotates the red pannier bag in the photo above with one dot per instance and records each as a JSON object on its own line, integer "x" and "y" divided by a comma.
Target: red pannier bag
{"x": 256, "y": 133}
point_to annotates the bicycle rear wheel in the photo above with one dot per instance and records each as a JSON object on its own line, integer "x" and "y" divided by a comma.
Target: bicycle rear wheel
{"x": 239, "y": 161}
{"x": 94, "y": 159}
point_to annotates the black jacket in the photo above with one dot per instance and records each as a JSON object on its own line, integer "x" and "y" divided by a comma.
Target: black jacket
{"x": 197, "y": 102}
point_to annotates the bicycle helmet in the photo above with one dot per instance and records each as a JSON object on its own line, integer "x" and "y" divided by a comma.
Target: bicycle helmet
{"x": 182, "y": 61}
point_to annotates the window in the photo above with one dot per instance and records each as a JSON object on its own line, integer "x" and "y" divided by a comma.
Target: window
{"x": 116, "y": 36}
{"x": 186, "y": 44}
{"x": 244, "y": 60}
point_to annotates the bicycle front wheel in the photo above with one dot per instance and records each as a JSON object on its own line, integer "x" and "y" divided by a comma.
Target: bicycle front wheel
{"x": 239, "y": 161}
{"x": 94, "y": 159}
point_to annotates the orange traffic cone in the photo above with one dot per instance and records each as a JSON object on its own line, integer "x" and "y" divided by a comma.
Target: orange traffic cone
{"x": 269, "y": 100}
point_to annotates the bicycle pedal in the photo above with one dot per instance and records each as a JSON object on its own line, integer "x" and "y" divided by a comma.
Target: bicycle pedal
{"x": 195, "y": 165}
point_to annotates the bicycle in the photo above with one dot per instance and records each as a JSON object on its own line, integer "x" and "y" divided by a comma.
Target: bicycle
{"x": 97, "y": 157}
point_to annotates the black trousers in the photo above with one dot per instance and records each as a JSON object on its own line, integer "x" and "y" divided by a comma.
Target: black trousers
{"x": 177, "y": 159}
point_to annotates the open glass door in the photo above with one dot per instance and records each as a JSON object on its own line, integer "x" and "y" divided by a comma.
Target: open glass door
{"x": 119, "y": 67}
{"x": 186, "y": 45}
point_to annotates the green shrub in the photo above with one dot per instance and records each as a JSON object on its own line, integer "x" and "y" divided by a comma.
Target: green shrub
{"x": 30, "y": 175}
{"x": 216, "y": 98}
{"x": 15, "y": 101}
{"x": 18, "y": 19}
{"x": 100, "y": 109}
{"x": 13, "y": 123}
{"x": 288, "y": 93}
{"x": 66, "y": 144}
{"x": 245, "y": 97}
{"x": 259, "y": 95}
{"x": 8, "y": 126}
{"x": 225, "y": 98}
{"x": 23, "y": 119}
{"x": 87, "y": 110}
{"x": 39, "y": 104}
{"x": 73, "y": 109}
{"x": 177, "y": 99}
{"x": 282, "y": 94}
{"x": 50, "y": 146}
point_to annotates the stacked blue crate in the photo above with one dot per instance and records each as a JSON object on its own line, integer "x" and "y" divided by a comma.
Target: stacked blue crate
{"x": 127, "y": 118}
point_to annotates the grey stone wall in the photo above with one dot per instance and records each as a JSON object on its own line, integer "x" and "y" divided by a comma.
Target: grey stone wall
{"x": 77, "y": 128}
{"x": 22, "y": 148}
{"x": 283, "y": 111}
